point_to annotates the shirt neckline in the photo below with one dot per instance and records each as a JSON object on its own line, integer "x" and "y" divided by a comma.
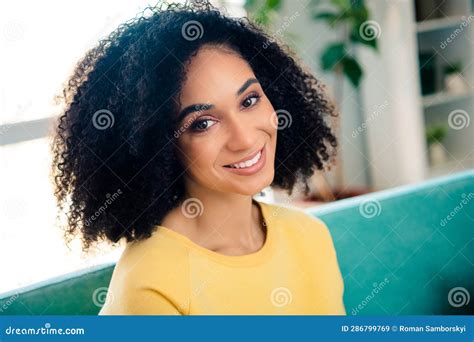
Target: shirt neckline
{"x": 232, "y": 260}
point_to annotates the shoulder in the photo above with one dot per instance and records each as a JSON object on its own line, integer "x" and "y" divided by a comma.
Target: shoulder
{"x": 154, "y": 259}
{"x": 156, "y": 268}
{"x": 297, "y": 225}
{"x": 296, "y": 218}
{"x": 313, "y": 242}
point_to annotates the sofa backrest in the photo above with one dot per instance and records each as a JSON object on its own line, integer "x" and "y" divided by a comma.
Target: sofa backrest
{"x": 77, "y": 293}
{"x": 407, "y": 250}
{"x": 403, "y": 251}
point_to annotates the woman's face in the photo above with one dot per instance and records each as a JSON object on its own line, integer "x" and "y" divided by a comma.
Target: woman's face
{"x": 225, "y": 118}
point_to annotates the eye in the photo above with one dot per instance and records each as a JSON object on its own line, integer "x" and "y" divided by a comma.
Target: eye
{"x": 251, "y": 100}
{"x": 201, "y": 125}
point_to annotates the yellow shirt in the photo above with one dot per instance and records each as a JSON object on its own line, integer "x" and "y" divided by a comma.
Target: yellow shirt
{"x": 294, "y": 273}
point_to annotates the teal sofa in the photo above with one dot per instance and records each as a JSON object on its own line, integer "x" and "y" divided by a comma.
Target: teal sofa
{"x": 404, "y": 251}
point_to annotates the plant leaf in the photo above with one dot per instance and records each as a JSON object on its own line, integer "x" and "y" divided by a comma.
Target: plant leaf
{"x": 273, "y": 4}
{"x": 352, "y": 70}
{"x": 360, "y": 14}
{"x": 342, "y": 4}
{"x": 332, "y": 55}
{"x": 368, "y": 37}
{"x": 331, "y": 18}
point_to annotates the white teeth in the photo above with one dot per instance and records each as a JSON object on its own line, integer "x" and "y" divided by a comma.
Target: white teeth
{"x": 248, "y": 163}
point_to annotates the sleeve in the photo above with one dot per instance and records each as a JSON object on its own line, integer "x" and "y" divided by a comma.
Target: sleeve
{"x": 149, "y": 279}
{"x": 334, "y": 270}
{"x": 141, "y": 302}
{"x": 329, "y": 265}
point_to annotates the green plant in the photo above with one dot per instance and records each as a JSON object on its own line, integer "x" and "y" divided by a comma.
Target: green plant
{"x": 436, "y": 133}
{"x": 351, "y": 19}
{"x": 352, "y": 16}
{"x": 263, "y": 11}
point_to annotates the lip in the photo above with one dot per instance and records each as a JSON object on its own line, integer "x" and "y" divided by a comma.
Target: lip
{"x": 254, "y": 168}
{"x": 247, "y": 158}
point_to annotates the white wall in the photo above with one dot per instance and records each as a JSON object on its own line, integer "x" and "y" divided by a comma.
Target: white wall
{"x": 396, "y": 137}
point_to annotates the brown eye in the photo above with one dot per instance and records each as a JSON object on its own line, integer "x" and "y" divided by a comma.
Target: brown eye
{"x": 251, "y": 100}
{"x": 201, "y": 125}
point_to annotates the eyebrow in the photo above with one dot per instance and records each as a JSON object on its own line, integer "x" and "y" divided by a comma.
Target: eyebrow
{"x": 203, "y": 106}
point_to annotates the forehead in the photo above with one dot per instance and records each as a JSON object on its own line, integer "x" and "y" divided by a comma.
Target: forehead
{"x": 213, "y": 73}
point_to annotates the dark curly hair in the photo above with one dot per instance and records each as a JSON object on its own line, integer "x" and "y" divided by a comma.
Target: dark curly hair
{"x": 121, "y": 181}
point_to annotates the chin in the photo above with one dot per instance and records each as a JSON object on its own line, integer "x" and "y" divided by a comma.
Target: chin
{"x": 253, "y": 186}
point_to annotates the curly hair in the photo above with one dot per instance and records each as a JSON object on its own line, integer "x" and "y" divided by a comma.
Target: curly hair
{"x": 115, "y": 171}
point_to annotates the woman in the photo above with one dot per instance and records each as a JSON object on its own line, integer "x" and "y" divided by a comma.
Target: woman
{"x": 172, "y": 124}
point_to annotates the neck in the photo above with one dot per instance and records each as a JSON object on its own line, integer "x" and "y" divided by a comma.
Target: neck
{"x": 227, "y": 220}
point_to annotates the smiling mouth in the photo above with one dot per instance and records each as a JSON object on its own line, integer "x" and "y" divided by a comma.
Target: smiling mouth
{"x": 247, "y": 163}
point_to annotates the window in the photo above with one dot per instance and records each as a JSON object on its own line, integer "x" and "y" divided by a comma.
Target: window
{"x": 41, "y": 43}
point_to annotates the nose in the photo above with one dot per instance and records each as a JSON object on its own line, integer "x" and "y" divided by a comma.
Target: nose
{"x": 241, "y": 136}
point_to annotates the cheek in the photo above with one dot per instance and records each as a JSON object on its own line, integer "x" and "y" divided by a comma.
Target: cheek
{"x": 200, "y": 154}
{"x": 270, "y": 117}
